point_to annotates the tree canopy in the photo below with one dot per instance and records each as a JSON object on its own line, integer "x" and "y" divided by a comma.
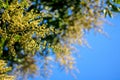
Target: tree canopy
{"x": 40, "y": 32}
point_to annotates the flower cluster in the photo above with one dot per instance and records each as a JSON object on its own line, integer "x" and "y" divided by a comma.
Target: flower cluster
{"x": 4, "y": 70}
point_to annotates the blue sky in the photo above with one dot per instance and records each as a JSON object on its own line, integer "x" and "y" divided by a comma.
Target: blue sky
{"x": 102, "y": 60}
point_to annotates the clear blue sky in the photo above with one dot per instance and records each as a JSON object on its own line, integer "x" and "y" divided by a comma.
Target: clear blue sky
{"x": 102, "y": 61}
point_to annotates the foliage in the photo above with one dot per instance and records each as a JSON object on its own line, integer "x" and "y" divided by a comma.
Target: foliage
{"x": 4, "y": 70}
{"x": 47, "y": 29}
{"x": 111, "y": 6}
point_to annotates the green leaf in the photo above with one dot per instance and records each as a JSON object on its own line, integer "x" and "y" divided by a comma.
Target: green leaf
{"x": 1, "y": 45}
{"x": 17, "y": 37}
{"x": 105, "y": 12}
{"x": 116, "y": 1}
{"x": 115, "y": 8}
{"x": 110, "y": 13}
